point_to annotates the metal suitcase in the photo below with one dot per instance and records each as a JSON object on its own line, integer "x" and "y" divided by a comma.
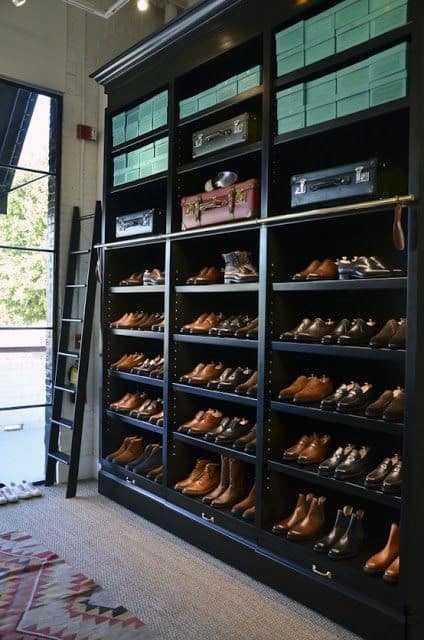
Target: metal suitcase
{"x": 243, "y": 128}
{"x": 369, "y": 178}
{"x": 140, "y": 223}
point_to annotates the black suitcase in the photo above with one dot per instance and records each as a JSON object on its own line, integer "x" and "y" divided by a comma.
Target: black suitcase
{"x": 140, "y": 223}
{"x": 237, "y": 130}
{"x": 363, "y": 179}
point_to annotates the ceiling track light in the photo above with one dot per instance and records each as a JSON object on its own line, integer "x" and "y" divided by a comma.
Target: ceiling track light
{"x": 142, "y": 5}
{"x": 19, "y": 3}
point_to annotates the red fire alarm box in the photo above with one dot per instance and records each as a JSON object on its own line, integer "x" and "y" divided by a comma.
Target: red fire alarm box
{"x": 84, "y": 132}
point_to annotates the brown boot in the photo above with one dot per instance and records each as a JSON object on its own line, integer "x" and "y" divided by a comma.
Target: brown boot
{"x": 379, "y": 562}
{"x": 249, "y": 502}
{"x": 121, "y": 449}
{"x": 132, "y": 452}
{"x": 249, "y": 514}
{"x": 313, "y": 524}
{"x": 300, "y": 512}
{"x": 235, "y": 490}
{"x": 206, "y": 483}
{"x": 194, "y": 475}
{"x": 223, "y": 482}
{"x": 392, "y": 572}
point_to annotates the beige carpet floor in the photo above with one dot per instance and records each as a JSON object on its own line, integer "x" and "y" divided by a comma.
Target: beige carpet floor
{"x": 181, "y": 592}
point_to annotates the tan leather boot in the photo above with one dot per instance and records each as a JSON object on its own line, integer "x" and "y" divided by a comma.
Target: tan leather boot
{"x": 194, "y": 475}
{"x": 122, "y": 448}
{"x": 313, "y": 524}
{"x": 300, "y": 512}
{"x": 236, "y": 488}
{"x": 392, "y": 572}
{"x": 206, "y": 483}
{"x": 249, "y": 502}
{"x": 379, "y": 562}
{"x": 223, "y": 482}
{"x": 133, "y": 450}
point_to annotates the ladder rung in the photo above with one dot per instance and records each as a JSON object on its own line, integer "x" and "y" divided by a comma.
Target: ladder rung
{"x": 68, "y": 354}
{"x": 75, "y": 286}
{"x": 80, "y": 252}
{"x": 62, "y": 422}
{"x": 64, "y": 387}
{"x": 71, "y": 319}
{"x": 89, "y": 217}
{"x": 65, "y": 458}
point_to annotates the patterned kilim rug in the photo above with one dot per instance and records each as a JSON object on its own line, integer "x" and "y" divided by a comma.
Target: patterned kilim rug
{"x": 43, "y": 597}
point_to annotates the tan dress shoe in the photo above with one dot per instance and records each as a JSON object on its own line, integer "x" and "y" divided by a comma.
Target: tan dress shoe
{"x": 316, "y": 390}
{"x": 207, "y": 481}
{"x": 208, "y": 373}
{"x": 194, "y": 475}
{"x": 289, "y": 392}
{"x": 300, "y": 512}
{"x": 118, "y": 362}
{"x": 194, "y": 373}
{"x": 311, "y": 268}
{"x": 187, "y": 327}
{"x": 191, "y": 423}
{"x": 317, "y": 451}
{"x": 381, "y": 561}
{"x": 326, "y": 271}
{"x": 293, "y": 452}
{"x": 208, "y": 421}
{"x": 115, "y": 405}
{"x": 313, "y": 523}
{"x": 202, "y": 327}
{"x": 122, "y": 448}
{"x": 134, "y": 279}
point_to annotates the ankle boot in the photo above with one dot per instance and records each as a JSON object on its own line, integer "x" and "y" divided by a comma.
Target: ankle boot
{"x": 392, "y": 572}
{"x": 379, "y": 562}
{"x": 194, "y": 475}
{"x": 349, "y": 545}
{"x": 235, "y": 490}
{"x": 223, "y": 482}
{"x": 121, "y": 449}
{"x": 206, "y": 483}
{"x": 238, "y": 267}
{"x": 300, "y": 512}
{"x": 249, "y": 502}
{"x": 311, "y": 526}
{"x": 134, "y": 449}
{"x": 340, "y": 526}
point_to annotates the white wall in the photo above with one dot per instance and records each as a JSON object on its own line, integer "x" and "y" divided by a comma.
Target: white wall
{"x": 49, "y": 45}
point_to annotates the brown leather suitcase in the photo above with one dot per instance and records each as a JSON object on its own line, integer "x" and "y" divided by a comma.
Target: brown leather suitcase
{"x": 230, "y": 204}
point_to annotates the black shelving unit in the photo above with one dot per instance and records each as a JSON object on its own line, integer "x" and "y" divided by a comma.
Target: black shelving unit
{"x": 282, "y": 242}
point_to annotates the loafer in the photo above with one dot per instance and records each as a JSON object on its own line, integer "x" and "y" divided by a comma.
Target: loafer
{"x": 357, "y": 463}
{"x": 356, "y": 399}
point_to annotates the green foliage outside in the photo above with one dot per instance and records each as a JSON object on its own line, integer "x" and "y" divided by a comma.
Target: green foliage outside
{"x": 24, "y": 274}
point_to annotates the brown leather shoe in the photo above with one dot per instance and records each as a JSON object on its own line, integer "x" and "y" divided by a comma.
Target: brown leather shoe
{"x": 187, "y": 327}
{"x": 317, "y": 451}
{"x": 124, "y": 398}
{"x": 247, "y": 503}
{"x": 326, "y": 271}
{"x": 203, "y": 326}
{"x": 157, "y": 418}
{"x": 245, "y": 387}
{"x": 118, "y": 362}
{"x": 121, "y": 449}
{"x": 398, "y": 341}
{"x": 116, "y": 323}
{"x": 377, "y": 408}
{"x": 384, "y": 336}
{"x": 316, "y": 331}
{"x": 152, "y": 475}
{"x": 155, "y": 276}
{"x": 311, "y": 268}
{"x": 236, "y": 488}
{"x": 210, "y": 420}
{"x": 379, "y": 562}
{"x": 194, "y": 373}
{"x": 194, "y": 475}
{"x": 132, "y": 452}
{"x": 293, "y": 452}
{"x": 316, "y": 390}
{"x": 300, "y": 512}
{"x": 208, "y": 373}
{"x": 133, "y": 279}
{"x": 392, "y": 572}
{"x": 207, "y": 275}
{"x": 313, "y": 524}
{"x": 224, "y": 481}
{"x": 133, "y": 404}
{"x": 191, "y": 423}
{"x": 395, "y": 412}
{"x": 133, "y": 360}
{"x": 207, "y": 481}
{"x": 289, "y": 392}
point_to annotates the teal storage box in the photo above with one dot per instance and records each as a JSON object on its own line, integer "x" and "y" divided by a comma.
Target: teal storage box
{"x": 353, "y": 80}
{"x": 120, "y": 162}
{"x": 323, "y": 113}
{"x": 131, "y": 129}
{"x": 290, "y": 38}
{"x": 388, "y": 62}
{"x": 321, "y": 91}
{"x": 118, "y": 136}
{"x": 249, "y": 79}
{"x": 160, "y": 118}
{"x": 160, "y": 101}
{"x": 133, "y": 159}
{"x": 147, "y": 153}
{"x": 207, "y": 99}
{"x": 188, "y": 107}
{"x": 320, "y": 28}
{"x": 290, "y": 100}
{"x": 350, "y": 11}
{"x": 159, "y": 164}
{"x": 390, "y": 17}
{"x": 353, "y": 104}
{"x": 146, "y": 169}
{"x": 353, "y": 34}
{"x": 377, "y": 5}
{"x": 320, "y": 50}
{"x": 161, "y": 148}
{"x": 290, "y": 61}
{"x": 145, "y": 125}
{"x": 119, "y": 177}
{"x": 132, "y": 174}
{"x": 389, "y": 88}
{"x": 226, "y": 90}
{"x": 291, "y": 123}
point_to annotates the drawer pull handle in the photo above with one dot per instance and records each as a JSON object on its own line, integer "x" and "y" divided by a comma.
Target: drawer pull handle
{"x": 129, "y": 480}
{"x": 323, "y": 574}
{"x": 208, "y": 518}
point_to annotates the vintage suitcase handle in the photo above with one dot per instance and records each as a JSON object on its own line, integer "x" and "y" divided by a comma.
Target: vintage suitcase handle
{"x": 331, "y": 182}
{"x": 398, "y": 234}
{"x": 217, "y": 203}
{"x": 221, "y": 133}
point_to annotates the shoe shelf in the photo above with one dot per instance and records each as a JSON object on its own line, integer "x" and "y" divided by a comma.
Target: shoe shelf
{"x": 396, "y": 355}
{"x": 154, "y": 288}
{"x": 345, "y": 121}
{"x": 137, "y": 333}
{"x": 215, "y": 395}
{"x": 354, "y": 487}
{"x": 223, "y": 156}
{"x": 347, "y": 419}
{"x": 218, "y": 288}
{"x": 132, "y": 377}
{"x": 133, "y": 479}
{"x": 155, "y": 179}
{"x": 238, "y": 100}
{"x": 239, "y": 343}
{"x": 366, "y": 284}
{"x": 215, "y": 448}
{"x": 141, "y": 424}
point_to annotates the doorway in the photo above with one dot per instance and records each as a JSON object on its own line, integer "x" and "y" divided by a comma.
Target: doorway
{"x": 29, "y": 153}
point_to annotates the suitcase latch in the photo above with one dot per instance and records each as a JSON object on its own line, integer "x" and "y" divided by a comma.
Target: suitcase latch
{"x": 362, "y": 175}
{"x": 300, "y": 187}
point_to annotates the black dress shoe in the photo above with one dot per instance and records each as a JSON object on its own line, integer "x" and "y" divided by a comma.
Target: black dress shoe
{"x": 341, "y": 329}
{"x": 340, "y": 527}
{"x": 328, "y": 467}
{"x": 302, "y": 326}
{"x": 376, "y": 477}
{"x": 244, "y": 440}
{"x": 393, "y": 482}
{"x": 356, "y": 464}
{"x": 356, "y": 399}
{"x": 365, "y": 267}
{"x": 225, "y": 322}
{"x": 250, "y": 447}
{"x": 229, "y": 329}
{"x": 153, "y": 461}
{"x": 213, "y": 384}
{"x": 349, "y": 545}
{"x": 360, "y": 333}
{"x": 223, "y": 425}
{"x": 237, "y": 428}
{"x": 330, "y": 402}
{"x": 238, "y": 376}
